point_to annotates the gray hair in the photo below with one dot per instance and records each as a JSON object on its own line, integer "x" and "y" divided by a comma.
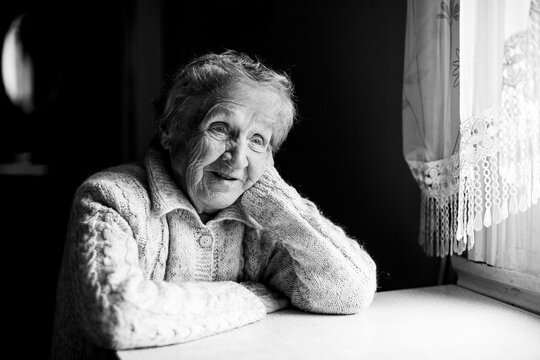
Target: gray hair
{"x": 198, "y": 84}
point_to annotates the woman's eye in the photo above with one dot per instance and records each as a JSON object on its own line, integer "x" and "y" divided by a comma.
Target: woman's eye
{"x": 258, "y": 140}
{"x": 219, "y": 128}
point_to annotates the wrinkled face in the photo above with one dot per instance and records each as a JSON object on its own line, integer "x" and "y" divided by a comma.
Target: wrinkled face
{"x": 230, "y": 150}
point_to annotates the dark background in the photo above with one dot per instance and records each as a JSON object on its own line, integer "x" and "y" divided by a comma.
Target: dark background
{"x": 99, "y": 64}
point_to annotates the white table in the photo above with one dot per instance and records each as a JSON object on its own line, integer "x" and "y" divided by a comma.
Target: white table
{"x": 443, "y": 322}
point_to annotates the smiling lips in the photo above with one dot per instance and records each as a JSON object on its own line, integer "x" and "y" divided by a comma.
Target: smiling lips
{"x": 224, "y": 176}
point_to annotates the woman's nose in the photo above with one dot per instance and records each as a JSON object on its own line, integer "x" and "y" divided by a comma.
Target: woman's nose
{"x": 236, "y": 155}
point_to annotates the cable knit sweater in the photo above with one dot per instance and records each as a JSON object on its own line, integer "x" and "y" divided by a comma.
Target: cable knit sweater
{"x": 140, "y": 268}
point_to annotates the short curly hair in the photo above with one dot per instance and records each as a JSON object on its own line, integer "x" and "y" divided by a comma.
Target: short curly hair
{"x": 198, "y": 84}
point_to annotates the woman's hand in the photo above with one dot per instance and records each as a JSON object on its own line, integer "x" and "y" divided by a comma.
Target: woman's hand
{"x": 272, "y": 300}
{"x": 270, "y": 157}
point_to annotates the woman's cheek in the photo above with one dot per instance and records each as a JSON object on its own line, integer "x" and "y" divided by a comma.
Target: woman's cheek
{"x": 210, "y": 149}
{"x": 197, "y": 161}
{"x": 203, "y": 152}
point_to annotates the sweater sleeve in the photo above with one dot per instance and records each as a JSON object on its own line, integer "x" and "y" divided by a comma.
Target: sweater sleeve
{"x": 119, "y": 309}
{"x": 313, "y": 261}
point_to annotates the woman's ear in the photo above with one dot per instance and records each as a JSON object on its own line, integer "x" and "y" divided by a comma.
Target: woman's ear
{"x": 164, "y": 137}
{"x": 164, "y": 143}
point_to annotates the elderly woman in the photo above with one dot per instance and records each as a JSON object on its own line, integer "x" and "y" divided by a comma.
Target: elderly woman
{"x": 205, "y": 236}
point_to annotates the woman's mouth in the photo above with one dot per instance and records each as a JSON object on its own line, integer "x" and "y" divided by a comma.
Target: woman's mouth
{"x": 224, "y": 176}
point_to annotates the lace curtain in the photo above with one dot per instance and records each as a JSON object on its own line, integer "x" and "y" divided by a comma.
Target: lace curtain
{"x": 471, "y": 118}
{"x": 499, "y": 184}
{"x": 431, "y": 116}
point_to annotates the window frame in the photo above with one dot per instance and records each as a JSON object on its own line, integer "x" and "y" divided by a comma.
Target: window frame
{"x": 511, "y": 287}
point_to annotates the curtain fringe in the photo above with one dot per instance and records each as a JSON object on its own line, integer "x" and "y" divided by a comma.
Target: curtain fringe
{"x": 438, "y": 225}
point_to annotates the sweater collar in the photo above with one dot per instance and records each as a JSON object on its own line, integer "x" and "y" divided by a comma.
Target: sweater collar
{"x": 166, "y": 196}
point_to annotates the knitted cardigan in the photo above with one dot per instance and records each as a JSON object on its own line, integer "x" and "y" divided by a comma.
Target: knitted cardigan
{"x": 140, "y": 268}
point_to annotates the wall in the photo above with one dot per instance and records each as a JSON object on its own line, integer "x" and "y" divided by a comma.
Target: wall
{"x": 76, "y": 129}
{"x": 345, "y": 152}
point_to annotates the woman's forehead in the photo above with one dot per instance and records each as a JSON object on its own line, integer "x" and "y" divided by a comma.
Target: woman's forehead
{"x": 258, "y": 97}
{"x": 258, "y": 118}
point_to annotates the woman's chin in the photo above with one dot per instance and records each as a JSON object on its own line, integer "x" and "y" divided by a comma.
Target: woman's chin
{"x": 222, "y": 185}
{"x": 215, "y": 200}
{"x": 217, "y": 187}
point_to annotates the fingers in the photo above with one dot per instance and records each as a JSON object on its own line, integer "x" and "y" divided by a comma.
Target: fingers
{"x": 270, "y": 157}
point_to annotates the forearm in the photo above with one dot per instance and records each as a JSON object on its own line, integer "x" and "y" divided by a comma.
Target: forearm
{"x": 190, "y": 312}
{"x": 332, "y": 272}
{"x": 119, "y": 309}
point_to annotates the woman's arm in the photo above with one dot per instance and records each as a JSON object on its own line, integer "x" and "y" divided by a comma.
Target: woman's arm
{"x": 119, "y": 309}
{"x": 313, "y": 261}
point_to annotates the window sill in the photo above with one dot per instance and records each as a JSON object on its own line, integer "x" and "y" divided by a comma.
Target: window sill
{"x": 518, "y": 289}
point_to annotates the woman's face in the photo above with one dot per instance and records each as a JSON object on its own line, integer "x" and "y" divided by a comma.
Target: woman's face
{"x": 230, "y": 150}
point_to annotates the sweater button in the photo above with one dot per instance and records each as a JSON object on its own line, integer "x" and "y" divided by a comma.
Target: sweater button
{"x": 205, "y": 241}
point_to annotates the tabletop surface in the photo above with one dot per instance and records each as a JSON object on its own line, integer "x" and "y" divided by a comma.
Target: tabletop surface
{"x": 442, "y": 322}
